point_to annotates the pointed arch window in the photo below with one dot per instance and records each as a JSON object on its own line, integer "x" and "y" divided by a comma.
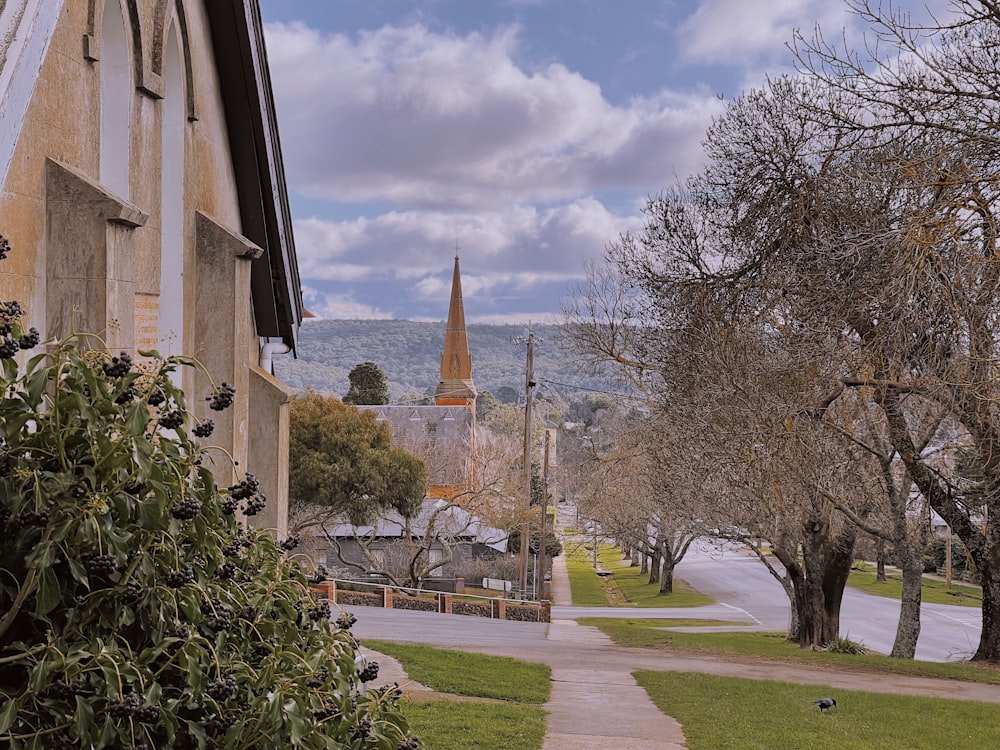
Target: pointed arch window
{"x": 116, "y": 99}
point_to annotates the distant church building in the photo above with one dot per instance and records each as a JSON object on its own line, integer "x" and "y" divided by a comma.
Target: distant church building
{"x": 443, "y": 435}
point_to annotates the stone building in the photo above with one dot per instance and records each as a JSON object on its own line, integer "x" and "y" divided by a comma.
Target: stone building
{"x": 142, "y": 189}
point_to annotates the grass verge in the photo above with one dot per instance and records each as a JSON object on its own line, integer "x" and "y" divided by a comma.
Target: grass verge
{"x": 728, "y": 713}
{"x": 933, "y": 591}
{"x": 626, "y": 587}
{"x": 643, "y": 633}
{"x": 478, "y": 675}
{"x": 516, "y": 722}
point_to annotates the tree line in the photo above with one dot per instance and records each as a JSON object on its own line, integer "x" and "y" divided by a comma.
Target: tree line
{"x": 812, "y": 319}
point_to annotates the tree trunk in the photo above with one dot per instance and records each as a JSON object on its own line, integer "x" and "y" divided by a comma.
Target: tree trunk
{"x": 880, "y": 560}
{"x": 667, "y": 576}
{"x": 645, "y": 564}
{"x": 819, "y": 583}
{"x": 908, "y": 629}
{"x": 655, "y": 561}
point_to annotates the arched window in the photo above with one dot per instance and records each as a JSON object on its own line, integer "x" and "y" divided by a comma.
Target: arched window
{"x": 171, "y": 302}
{"x": 116, "y": 98}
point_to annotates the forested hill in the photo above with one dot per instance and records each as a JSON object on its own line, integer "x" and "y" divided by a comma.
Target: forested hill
{"x": 410, "y": 355}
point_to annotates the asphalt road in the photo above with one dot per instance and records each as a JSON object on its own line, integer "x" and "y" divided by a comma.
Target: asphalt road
{"x": 741, "y": 582}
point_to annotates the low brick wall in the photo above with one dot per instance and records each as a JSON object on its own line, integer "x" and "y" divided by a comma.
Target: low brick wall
{"x": 499, "y": 608}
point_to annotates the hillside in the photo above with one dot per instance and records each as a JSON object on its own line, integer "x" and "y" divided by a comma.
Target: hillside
{"x": 410, "y": 355}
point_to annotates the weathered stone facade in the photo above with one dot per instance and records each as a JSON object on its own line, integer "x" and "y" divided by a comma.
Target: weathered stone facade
{"x": 142, "y": 191}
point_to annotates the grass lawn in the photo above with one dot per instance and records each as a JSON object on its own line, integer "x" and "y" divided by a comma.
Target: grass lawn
{"x": 642, "y": 633}
{"x": 934, "y": 591}
{"x": 515, "y": 720}
{"x": 728, "y": 713}
{"x": 625, "y": 587}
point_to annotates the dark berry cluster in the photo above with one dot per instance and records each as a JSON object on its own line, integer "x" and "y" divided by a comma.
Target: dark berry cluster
{"x": 119, "y": 366}
{"x": 102, "y": 565}
{"x": 317, "y": 680}
{"x": 4, "y": 247}
{"x": 290, "y": 543}
{"x": 246, "y": 488}
{"x": 156, "y": 397}
{"x": 230, "y": 506}
{"x": 236, "y": 544}
{"x": 329, "y": 710}
{"x": 369, "y": 673}
{"x": 127, "y": 395}
{"x": 226, "y": 571}
{"x": 131, "y": 593}
{"x": 69, "y": 689}
{"x": 346, "y": 620}
{"x": 363, "y": 729}
{"x": 186, "y": 509}
{"x": 203, "y": 429}
{"x": 8, "y": 347}
{"x": 410, "y": 743}
{"x": 171, "y": 420}
{"x": 217, "y": 618}
{"x": 177, "y": 578}
{"x": 220, "y": 724}
{"x": 124, "y": 708}
{"x": 38, "y": 517}
{"x": 320, "y": 575}
{"x": 180, "y": 633}
{"x": 222, "y": 689}
{"x": 319, "y": 611}
{"x": 30, "y": 339}
{"x": 221, "y": 398}
{"x": 255, "y": 505}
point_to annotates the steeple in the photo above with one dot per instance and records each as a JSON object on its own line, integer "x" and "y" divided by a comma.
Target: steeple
{"x": 456, "y": 387}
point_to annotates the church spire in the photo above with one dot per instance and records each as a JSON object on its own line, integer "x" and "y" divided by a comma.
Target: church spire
{"x": 456, "y": 387}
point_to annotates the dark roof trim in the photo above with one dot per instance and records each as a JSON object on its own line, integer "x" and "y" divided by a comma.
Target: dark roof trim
{"x": 245, "y": 82}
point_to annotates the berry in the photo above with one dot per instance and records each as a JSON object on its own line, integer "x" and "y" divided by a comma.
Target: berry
{"x": 102, "y": 565}
{"x": 363, "y": 729}
{"x": 369, "y": 673}
{"x": 221, "y": 398}
{"x": 177, "y": 578}
{"x": 411, "y": 743}
{"x": 171, "y": 420}
{"x": 8, "y": 347}
{"x": 119, "y": 366}
{"x": 30, "y": 339}
{"x": 246, "y": 488}
{"x": 226, "y": 571}
{"x": 204, "y": 429}
{"x": 186, "y": 509}
{"x": 156, "y": 397}
{"x": 346, "y": 620}
{"x": 255, "y": 505}
{"x": 229, "y": 506}
{"x": 126, "y": 396}
{"x": 222, "y": 689}
{"x": 290, "y": 543}
{"x": 4, "y": 247}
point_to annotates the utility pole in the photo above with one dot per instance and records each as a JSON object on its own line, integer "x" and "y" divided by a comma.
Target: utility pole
{"x": 529, "y": 383}
{"x": 543, "y": 585}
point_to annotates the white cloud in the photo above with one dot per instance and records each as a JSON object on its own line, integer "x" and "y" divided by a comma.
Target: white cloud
{"x": 437, "y": 120}
{"x": 340, "y": 306}
{"x": 740, "y": 31}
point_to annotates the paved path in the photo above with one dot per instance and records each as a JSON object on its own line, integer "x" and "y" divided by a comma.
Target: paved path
{"x": 595, "y": 702}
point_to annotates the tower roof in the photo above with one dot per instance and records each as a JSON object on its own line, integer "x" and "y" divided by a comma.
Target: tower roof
{"x": 456, "y": 386}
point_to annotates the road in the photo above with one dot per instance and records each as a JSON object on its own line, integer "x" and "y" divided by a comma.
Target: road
{"x": 741, "y": 582}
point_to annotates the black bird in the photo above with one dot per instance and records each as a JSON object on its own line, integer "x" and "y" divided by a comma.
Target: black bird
{"x": 825, "y": 704}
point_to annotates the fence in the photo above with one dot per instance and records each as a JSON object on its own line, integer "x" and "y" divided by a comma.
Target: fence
{"x": 359, "y": 593}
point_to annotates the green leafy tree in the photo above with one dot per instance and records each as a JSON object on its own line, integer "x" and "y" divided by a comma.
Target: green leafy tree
{"x": 137, "y": 612}
{"x": 343, "y": 464}
{"x": 368, "y": 386}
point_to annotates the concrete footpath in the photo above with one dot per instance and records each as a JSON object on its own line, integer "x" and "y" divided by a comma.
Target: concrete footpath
{"x": 595, "y": 702}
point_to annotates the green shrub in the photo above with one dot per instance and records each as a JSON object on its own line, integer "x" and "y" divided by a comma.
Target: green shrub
{"x": 845, "y": 646}
{"x": 137, "y": 612}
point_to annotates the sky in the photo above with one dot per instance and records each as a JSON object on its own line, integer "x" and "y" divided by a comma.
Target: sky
{"x": 523, "y": 134}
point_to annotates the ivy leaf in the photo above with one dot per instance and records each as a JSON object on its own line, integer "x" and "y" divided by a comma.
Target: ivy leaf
{"x": 8, "y": 712}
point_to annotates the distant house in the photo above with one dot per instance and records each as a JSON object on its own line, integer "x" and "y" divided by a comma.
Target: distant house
{"x": 142, "y": 189}
{"x": 446, "y": 534}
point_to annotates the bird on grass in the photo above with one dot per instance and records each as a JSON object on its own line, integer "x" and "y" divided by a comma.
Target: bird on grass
{"x": 825, "y": 704}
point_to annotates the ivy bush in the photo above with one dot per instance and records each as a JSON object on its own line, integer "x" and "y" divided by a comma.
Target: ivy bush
{"x": 135, "y": 610}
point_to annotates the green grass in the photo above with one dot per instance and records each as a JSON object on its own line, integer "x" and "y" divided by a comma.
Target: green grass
{"x": 933, "y": 591}
{"x": 728, "y": 713}
{"x": 643, "y": 633}
{"x": 513, "y": 719}
{"x": 478, "y": 675}
{"x": 454, "y": 725}
{"x": 627, "y": 586}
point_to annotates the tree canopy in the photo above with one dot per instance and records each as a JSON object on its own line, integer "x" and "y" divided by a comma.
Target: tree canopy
{"x": 369, "y": 386}
{"x": 342, "y": 463}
